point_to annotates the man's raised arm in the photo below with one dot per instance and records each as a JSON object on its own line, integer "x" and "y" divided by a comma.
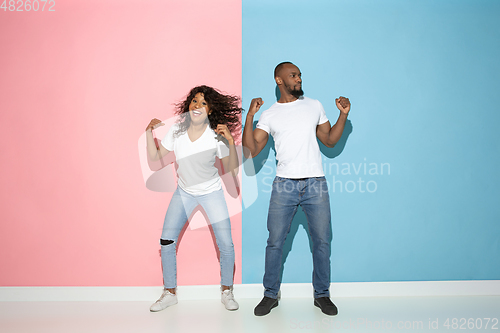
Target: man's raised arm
{"x": 253, "y": 140}
{"x": 330, "y": 136}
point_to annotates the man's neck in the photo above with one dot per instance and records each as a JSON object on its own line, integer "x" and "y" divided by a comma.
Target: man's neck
{"x": 287, "y": 98}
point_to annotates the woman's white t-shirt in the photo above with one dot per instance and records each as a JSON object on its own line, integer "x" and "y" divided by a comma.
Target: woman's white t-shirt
{"x": 196, "y": 171}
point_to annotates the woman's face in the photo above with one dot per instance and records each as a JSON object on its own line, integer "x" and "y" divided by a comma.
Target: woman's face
{"x": 198, "y": 109}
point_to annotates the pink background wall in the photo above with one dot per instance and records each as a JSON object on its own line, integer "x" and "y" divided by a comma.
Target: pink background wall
{"x": 77, "y": 88}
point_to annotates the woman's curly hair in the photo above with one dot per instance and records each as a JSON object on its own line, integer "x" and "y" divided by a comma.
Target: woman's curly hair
{"x": 224, "y": 110}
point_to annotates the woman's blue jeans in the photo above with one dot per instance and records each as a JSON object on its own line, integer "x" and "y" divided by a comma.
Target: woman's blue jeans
{"x": 180, "y": 208}
{"x": 312, "y": 195}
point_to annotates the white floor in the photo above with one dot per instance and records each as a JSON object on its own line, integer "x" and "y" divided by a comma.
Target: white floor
{"x": 356, "y": 314}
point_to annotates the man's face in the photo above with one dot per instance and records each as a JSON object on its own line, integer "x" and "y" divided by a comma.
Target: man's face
{"x": 292, "y": 80}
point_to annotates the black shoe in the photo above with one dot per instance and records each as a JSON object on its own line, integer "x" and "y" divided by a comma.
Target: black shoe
{"x": 265, "y": 306}
{"x": 326, "y": 306}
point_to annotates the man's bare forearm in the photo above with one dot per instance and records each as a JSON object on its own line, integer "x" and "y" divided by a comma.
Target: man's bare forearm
{"x": 336, "y": 131}
{"x": 249, "y": 144}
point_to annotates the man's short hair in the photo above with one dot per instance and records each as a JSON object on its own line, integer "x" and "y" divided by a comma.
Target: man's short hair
{"x": 279, "y": 66}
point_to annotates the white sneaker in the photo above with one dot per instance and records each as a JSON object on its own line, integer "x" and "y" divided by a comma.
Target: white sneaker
{"x": 166, "y": 299}
{"x": 227, "y": 298}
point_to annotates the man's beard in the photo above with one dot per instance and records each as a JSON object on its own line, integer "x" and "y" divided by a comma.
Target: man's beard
{"x": 297, "y": 93}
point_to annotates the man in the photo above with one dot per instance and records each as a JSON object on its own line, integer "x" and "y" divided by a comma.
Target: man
{"x": 295, "y": 122}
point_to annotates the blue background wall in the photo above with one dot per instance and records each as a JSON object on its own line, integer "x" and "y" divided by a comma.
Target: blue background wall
{"x": 423, "y": 79}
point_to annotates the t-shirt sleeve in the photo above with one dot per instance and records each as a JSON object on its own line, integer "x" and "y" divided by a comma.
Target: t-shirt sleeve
{"x": 168, "y": 140}
{"x": 263, "y": 123}
{"x": 322, "y": 117}
{"x": 222, "y": 149}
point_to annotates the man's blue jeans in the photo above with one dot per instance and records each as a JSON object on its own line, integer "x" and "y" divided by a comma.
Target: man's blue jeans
{"x": 312, "y": 195}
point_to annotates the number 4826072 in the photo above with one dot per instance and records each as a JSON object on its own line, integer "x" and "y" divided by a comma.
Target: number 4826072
{"x": 28, "y": 5}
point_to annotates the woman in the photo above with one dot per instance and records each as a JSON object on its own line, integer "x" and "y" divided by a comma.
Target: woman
{"x": 203, "y": 132}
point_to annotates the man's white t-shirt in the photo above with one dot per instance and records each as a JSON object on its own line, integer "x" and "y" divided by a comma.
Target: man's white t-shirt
{"x": 196, "y": 170}
{"x": 293, "y": 127}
